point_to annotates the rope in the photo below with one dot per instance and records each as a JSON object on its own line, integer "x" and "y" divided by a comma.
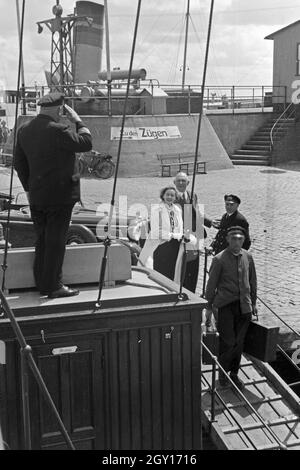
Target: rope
{"x": 202, "y": 97}
{"x": 198, "y": 131}
{"x": 4, "y": 264}
{"x": 112, "y": 204}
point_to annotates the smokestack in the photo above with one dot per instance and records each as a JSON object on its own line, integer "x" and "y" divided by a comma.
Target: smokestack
{"x": 88, "y": 42}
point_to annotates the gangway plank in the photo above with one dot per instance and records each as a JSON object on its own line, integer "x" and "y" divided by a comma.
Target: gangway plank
{"x": 236, "y": 427}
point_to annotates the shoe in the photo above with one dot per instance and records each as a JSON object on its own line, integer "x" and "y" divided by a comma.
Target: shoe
{"x": 235, "y": 379}
{"x": 42, "y": 292}
{"x": 63, "y": 291}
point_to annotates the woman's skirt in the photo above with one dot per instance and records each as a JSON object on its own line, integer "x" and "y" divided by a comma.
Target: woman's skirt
{"x": 165, "y": 257}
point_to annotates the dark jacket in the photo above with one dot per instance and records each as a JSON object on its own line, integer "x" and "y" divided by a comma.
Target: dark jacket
{"x": 207, "y": 222}
{"x": 236, "y": 219}
{"x": 45, "y": 160}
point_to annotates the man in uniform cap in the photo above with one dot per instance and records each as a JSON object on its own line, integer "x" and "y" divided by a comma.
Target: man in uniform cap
{"x": 231, "y": 288}
{"x": 45, "y": 163}
{"x": 231, "y": 218}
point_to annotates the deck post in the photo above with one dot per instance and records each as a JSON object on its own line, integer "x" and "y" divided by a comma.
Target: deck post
{"x": 25, "y": 396}
{"x": 213, "y": 390}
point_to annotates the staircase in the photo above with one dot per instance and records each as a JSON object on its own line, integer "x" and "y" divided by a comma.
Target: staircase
{"x": 257, "y": 151}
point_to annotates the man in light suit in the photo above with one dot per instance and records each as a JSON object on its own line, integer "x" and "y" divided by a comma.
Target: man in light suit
{"x": 193, "y": 225}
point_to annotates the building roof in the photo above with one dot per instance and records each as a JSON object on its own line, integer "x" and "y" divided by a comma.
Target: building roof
{"x": 271, "y": 36}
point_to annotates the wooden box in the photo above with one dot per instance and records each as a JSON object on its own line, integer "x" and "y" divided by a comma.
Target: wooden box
{"x": 82, "y": 265}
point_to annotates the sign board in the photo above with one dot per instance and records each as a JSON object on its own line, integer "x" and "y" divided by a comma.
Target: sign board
{"x": 66, "y": 350}
{"x": 146, "y": 133}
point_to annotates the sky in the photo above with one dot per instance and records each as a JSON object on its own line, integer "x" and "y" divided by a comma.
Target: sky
{"x": 238, "y": 54}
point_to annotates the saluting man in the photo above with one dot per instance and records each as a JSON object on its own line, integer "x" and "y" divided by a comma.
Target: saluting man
{"x": 45, "y": 163}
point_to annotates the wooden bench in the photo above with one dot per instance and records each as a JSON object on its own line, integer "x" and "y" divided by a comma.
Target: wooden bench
{"x": 181, "y": 161}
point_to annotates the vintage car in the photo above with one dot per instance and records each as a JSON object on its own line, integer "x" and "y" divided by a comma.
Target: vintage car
{"x": 87, "y": 226}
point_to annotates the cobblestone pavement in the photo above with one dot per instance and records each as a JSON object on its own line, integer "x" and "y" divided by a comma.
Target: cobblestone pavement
{"x": 271, "y": 203}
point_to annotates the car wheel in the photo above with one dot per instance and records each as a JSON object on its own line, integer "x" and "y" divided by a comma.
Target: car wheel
{"x": 78, "y": 234}
{"x": 104, "y": 169}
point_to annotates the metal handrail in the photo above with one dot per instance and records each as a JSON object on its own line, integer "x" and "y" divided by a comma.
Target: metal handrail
{"x": 279, "y": 317}
{"x": 277, "y": 122}
{"x": 265, "y": 425}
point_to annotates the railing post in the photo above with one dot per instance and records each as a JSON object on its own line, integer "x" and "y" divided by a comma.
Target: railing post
{"x": 200, "y": 391}
{"x": 285, "y": 97}
{"x": 213, "y": 391}
{"x": 23, "y": 95}
{"x": 207, "y": 106}
{"x": 233, "y": 98}
{"x": 152, "y": 104}
{"x": 263, "y": 99}
{"x": 25, "y": 396}
{"x": 189, "y": 100}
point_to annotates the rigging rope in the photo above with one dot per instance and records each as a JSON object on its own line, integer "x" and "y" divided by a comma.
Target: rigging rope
{"x": 202, "y": 97}
{"x": 112, "y": 204}
{"x": 4, "y": 264}
{"x": 180, "y": 295}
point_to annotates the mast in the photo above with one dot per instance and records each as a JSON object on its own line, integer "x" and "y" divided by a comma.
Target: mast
{"x": 108, "y": 67}
{"x": 22, "y": 63}
{"x": 202, "y": 94}
{"x": 187, "y": 20}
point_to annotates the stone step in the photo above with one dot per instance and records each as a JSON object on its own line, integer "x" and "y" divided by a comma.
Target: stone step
{"x": 259, "y": 143}
{"x": 262, "y": 132}
{"x": 260, "y": 139}
{"x": 251, "y": 162}
{"x": 253, "y": 152}
{"x": 238, "y": 156}
{"x": 253, "y": 146}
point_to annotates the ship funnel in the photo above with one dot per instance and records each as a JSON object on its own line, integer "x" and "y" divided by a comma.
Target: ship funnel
{"x": 88, "y": 42}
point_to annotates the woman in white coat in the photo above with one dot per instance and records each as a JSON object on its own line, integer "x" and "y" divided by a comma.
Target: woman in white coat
{"x": 163, "y": 248}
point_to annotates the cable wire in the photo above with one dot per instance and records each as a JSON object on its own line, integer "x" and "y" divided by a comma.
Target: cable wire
{"x": 112, "y": 204}
{"x": 4, "y": 264}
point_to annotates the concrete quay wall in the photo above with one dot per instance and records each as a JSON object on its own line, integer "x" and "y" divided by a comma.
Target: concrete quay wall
{"x": 139, "y": 156}
{"x": 234, "y": 130}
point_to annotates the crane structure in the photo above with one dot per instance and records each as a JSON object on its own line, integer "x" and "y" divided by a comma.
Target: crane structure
{"x": 62, "y": 67}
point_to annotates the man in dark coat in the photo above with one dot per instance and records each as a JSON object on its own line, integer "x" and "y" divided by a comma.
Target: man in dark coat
{"x": 192, "y": 219}
{"x": 231, "y": 218}
{"x": 45, "y": 163}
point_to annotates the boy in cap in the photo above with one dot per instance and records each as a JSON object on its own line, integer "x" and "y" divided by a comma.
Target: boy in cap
{"x": 231, "y": 218}
{"x": 231, "y": 288}
{"x": 45, "y": 163}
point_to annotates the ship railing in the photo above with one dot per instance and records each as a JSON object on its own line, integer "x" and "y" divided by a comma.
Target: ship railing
{"x": 28, "y": 364}
{"x": 180, "y": 100}
{"x": 216, "y": 395}
{"x": 283, "y": 352}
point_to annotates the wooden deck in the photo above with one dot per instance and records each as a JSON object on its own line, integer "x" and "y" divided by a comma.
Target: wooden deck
{"x": 275, "y": 402}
